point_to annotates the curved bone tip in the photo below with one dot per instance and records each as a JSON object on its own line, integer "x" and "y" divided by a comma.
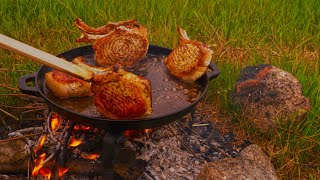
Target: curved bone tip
{"x": 183, "y": 33}
{"x": 77, "y": 20}
{"x": 134, "y": 21}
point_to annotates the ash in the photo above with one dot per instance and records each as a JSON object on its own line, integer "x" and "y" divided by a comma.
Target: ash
{"x": 180, "y": 150}
{"x": 168, "y": 161}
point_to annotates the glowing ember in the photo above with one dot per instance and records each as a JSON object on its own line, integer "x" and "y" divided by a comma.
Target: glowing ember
{"x": 147, "y": 131}
{"x": 89, "y": 156}
{"x": 46, "y": 172}
{"x": 133, "y": 133}
{"x": 38, "y": 164}
{"x": 75, "y": 142}
{"x": 40, "y": 143}
{"x": 81, "y": 127}
{"x": 62, "y": 171}
{"x": 55, "y": 122}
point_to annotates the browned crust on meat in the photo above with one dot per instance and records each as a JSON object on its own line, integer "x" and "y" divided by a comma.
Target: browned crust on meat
{"x": 190, "y": 60}
{"x": 64, "y": 86}
{"x": 65, "y": 78}
{"x": 124, "y": 46}
{"x": 121, "y": 95}
{"x": 124, "y": 42}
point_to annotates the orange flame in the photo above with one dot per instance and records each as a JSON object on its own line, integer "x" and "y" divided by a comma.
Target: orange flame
{"x": 55, "y": 122}
{"x": 38, "y": 164}
{"x": 75, "y": 142}
{"x": 133, "y": 133}
{"x": 40, "y": 143}
{"x": 62, "y": 171}
{"x": 81, "y": 127}
{"x": 89, "y": 156}
{"x": 147, "y": 131}
{"x": 46, "y": 172}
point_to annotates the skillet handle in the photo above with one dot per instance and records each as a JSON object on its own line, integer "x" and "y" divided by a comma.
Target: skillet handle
{"x": 214, "y": 73}
{"x": 22, "y": 84}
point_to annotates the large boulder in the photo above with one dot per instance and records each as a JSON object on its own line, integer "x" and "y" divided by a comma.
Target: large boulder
{"x": 266, "y": 94}
{"x": 251, "y": 164}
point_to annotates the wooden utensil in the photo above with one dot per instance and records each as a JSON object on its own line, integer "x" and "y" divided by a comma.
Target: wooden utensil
{"x": 43, "y": 57}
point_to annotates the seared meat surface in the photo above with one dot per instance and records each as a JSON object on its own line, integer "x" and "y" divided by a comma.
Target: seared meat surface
{"x": 190, "y": 60}
{"x": 65, "y": 86}
{"x": 120, "y": 94}
{"x": 123, "y": 43}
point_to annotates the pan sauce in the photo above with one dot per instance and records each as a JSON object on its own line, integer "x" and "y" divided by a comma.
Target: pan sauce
{"x": 168, "y": 93}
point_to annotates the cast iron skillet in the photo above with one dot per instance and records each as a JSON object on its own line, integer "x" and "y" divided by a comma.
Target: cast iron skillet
{"x": 119, "y": 125}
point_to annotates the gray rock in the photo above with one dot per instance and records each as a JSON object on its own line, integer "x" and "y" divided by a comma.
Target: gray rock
{"x": 267, "y": 94}
{"x": 12, "y": 151}
{"x": 251, "y": 164}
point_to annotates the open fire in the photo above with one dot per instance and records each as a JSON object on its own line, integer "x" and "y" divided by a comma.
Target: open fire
{"x": 40, "y": 161}
{"x": 48, "y": 167}
{"x": 38, "y": 164}
{"x": 180, "y": 149}
{"x": 75, "y": 142}
{"x": 55, "y": 122}
{"x": 89, "y": 156}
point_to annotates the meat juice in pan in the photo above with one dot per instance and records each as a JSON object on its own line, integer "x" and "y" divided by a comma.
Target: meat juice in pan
{"x": 168, "y": 93}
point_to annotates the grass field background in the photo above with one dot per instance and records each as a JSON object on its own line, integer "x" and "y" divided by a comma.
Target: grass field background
{"x": 241, "y": 33}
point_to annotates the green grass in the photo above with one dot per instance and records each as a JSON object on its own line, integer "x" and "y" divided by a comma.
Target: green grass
{"x": 246, "y": 32}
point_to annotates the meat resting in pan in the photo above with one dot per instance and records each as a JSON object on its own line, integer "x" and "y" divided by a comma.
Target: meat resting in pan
{"x": 118, "y": 94}
{"x": 190, "y": 60}
{"x": 65, "y": 86}
{"x": 123, "y": 43}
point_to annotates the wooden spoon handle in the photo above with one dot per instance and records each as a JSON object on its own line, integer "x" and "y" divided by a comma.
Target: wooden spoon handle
{"x": 43, "y": 57}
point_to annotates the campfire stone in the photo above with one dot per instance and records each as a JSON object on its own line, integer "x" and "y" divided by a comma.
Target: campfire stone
{"x": 12, "y": 151}
{"x": 251, "y": 164}
{"x": 267, "y": 94}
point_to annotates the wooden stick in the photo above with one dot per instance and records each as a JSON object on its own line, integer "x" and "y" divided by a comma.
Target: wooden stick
{"x": 20, "y": 137}
{"x": 3, "y": 122}
{"x": 48, "y": 126}
{"x": 30, "y": 129}
{"x": 182, "y": 142}
{"x": 9, "y": 87}
{"x": 25, "y": 96}
{"x": 32, "y": 110}
{"x": 43, "y": 57}
{"x": 9, "y": 114}
{"x": 31, "y": 106}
